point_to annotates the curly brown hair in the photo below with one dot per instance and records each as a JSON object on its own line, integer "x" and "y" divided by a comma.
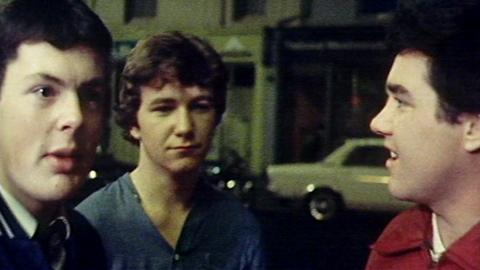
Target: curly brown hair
{"x": 170, "y": 57}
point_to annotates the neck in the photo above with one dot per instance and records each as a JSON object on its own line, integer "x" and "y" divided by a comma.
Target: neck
{"x": 160, "y": 187}
{"x": 43, "y": 211}
{"x": 457, "y": 217}
{"x": 457, "y": 204}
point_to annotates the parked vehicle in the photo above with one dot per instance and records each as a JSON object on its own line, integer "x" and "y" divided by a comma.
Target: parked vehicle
{"x": 351, "y": 177}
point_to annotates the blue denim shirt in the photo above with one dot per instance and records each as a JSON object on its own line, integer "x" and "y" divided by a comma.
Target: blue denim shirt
{"x": 219, "y": 232}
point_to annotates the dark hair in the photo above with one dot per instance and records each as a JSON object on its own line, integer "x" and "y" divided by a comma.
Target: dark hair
{"x": 62, "y": 23}
{"x": 170, "y": 57}
{"x": 448, "y": 32}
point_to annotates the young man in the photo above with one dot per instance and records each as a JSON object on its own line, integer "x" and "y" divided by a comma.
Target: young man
{"x": 54, "y": 57}
{"x": 162, "y": 215}
{"x": 431, "y": 125}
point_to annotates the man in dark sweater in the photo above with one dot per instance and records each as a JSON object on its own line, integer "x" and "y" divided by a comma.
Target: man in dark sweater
{"x": 54, "y": 63}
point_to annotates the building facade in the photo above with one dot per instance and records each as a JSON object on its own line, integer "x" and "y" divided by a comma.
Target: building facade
{"x": 305, "y": 74}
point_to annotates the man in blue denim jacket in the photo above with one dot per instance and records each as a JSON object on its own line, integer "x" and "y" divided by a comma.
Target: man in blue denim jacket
{"x": 162, "y": 215}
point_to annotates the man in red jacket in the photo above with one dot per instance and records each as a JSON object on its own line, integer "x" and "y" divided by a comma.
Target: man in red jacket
{"x": 431, "y": 125}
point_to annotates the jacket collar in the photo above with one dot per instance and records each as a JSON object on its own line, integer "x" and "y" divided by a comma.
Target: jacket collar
{"x": 409, "y": 230}
{"x": 412, "y": 230}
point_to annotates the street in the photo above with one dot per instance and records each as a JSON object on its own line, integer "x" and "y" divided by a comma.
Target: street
{"x": 295, "y": 241}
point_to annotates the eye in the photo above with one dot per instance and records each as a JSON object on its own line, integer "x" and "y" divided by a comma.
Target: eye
{"x": 400, "y": 103}
{"x": 164, "y": 108}
{"x": 45, "y": 92}
{"x": 202, "y": 106}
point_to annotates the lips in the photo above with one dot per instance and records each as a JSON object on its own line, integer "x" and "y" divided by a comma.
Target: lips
{"x": 185, "y": 147}
{"x": 185, "y": 150}
{"x": 64, "y": 161}
{"x": 394, "y": 156}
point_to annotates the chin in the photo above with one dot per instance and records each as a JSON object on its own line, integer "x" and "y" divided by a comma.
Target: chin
{"x": 67, "y": 188}
{"x": 397, "y": 190}
{"x": 184, "y": 166}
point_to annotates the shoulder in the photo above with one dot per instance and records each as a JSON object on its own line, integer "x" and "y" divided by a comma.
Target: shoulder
{"x": 227, "y": 209}
{"x": 102, "y": 201}
{"x": 86, "y": 244}
{"x": 400, "y": 246}
{"x": 220, "y": 200}
{"x": 80, "y": 226}
{"x": 418, "y": 217}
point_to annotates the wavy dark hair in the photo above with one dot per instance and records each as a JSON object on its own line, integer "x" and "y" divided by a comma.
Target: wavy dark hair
{"x": 448, "y": 32}
{"x": 170, "y": 57}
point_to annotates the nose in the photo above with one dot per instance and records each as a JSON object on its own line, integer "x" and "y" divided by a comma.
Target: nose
{"x": 381, "y": 124}
{"x": 184, "y": 123}
{"x": 70, "y": 113}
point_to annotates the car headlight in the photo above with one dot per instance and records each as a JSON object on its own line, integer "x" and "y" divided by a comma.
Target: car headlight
{"x": 231, "y": 184}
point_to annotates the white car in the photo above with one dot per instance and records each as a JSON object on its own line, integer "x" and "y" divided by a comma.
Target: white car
{"x": 353, "y": 177}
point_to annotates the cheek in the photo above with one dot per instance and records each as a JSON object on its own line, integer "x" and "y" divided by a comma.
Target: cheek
{"x": 207, "y": 130}
{"x": 94, "y": 128}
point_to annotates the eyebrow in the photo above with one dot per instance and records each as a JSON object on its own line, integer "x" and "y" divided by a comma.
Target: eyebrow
{"x": 96, "y": 81}
{"x": 397, "y": 89}
{"x": 169, "y": 100}
{"x": 47, "y": 77}
{"x": 162, "y": 100}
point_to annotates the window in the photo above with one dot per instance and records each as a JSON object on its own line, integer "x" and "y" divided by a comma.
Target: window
{"x": 367, "y": 156}
{"x": 244, "y": 8}
{"x": 140, "y": 9}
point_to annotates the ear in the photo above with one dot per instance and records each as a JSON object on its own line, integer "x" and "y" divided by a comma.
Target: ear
{"x": 135, "y": 132}
{"x": 471, "y": 133}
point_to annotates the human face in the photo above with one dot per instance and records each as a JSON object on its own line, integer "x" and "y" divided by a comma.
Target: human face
{"x": 51, "y": 118}
{"x": 175, "y": 127}
{"x": 425, "y": 150}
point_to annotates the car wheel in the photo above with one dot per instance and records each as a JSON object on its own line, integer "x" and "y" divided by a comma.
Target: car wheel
{"x": 324, "y": 204}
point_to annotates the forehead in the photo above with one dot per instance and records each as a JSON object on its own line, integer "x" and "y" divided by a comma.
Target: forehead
{"x": 410, "y": 67}
{"x": 410, "y": 71}
{"x": 174, "y": 90}
{"x": 79, "y": 62}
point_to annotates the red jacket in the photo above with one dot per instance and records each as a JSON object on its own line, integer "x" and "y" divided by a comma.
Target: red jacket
{"x": 406, "y": 241}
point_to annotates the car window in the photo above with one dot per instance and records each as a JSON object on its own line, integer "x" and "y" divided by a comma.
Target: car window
{"x": 367, "y": 156}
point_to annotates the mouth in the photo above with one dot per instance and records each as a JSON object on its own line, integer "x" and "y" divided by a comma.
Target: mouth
{"x": 186, "y": 147}
{"x": 393, "y": 155}
{"x": 64, "y": 161}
